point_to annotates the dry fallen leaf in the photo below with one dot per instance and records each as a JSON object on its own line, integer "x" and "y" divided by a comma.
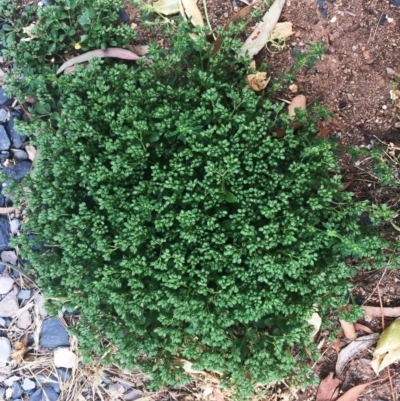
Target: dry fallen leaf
{"x": 282, "y": 30}
{"x": 6, "y": 209}
{"x": 328, "y": 389}
{"x": 378, "y": 312}
{"x": 387, "y": 350}
{"x": 166, "y": 7}
{"x": 363, "y": 328}
{"x": 349, "y": 352}
{"x": 262, "y": 32}
{"x": 193, "y": 12}
{"x": 315, "y": 321}
{"x": 217, "y": 395}
{"x": 353, "y": 393}
{"x": 298, "y": 101}
{"x": 20, "y": 350}
{"x": 257, "y": 81}
{"x": 31, "y": 150}
{"x": 109, "y": 52}
{"x": 77, "y": 46}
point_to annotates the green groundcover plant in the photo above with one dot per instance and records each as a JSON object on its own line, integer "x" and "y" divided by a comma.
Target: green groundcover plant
{"x": 168, "y": 213}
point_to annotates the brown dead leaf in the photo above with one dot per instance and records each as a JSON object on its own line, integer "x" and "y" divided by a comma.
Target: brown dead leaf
{"x": 328, "y": 389}
{"x": 323, "y": 132}
{"x": 366, "y": 54}
{"x": 349, "y": 352}
{"x": 354, "y": 392}
{"x": 257, "y": 81}
{"x": 282, "y": 30}
{"x": 346, "y": 184}
{"x": 363, "y": 328}
{"x": 20, "y": 350}
{"x": 6, "y": 210}
{"x": 376, "y": 311}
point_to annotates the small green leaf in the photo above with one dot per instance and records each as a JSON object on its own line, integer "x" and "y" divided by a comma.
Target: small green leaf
{"x": 42, "y": 108}
{"x": 229, "y": 197}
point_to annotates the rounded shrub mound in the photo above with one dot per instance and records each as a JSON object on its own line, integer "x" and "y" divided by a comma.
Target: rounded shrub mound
{"x": 167, "y": 213}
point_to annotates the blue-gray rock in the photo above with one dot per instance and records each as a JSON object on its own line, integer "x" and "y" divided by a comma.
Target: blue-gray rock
{"x": 20, "y": 155}
{"x": 19, "y": 171}
{"x": 4, "y": 139}
{"x": 46, "y": 2}
{"x": 123, "y": 16}
{"x": 4, "y": 100}
{"x": 50, "y": 393}
{"x": 17, "y": 390}
{"x": 28, "y": 385}
{"x": 4, "y": 234}
{"x": 3, "y": 115}
{"x": 17, "y": 140}
{"x": 2, "y": 393}
{"x": 2, "y": 268}
{"x": 133, "y": 395}
{"x": 37, "y": 395}
{"x": 396, "y": 3}
{"x": 24, "y": 294}
{"x": 64, "y": 374}
{"x": 53, "y": 334}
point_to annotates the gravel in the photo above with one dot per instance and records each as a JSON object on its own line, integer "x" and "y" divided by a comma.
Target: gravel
{"x": 53, "y": 334}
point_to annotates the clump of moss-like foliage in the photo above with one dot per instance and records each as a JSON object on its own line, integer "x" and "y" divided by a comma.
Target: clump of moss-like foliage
{"x": 167, "y": 212}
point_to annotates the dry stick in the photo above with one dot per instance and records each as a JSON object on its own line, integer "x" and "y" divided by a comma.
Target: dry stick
{"x": 383, "y": 328}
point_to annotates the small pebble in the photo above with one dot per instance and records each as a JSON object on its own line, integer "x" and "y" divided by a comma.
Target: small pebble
{"x": 384, "y": 107}
{"x": 14, "y": 226}
{"x": 3, "y": 115}
{"x": 24, "y": 294}
{"x": 36, "y": 396}
{"x": 390, "y": 71}
{"x": 5, "y": 351}
{"x": 28, "y": 384}
{"x": 226, "y": 15}
{"x": 6, "y": 283}
{"x": 8, "y": 305}
{"x": 17, "y": 390}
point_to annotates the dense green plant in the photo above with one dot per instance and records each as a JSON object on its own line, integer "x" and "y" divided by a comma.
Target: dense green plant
{"x": 36, "y": 38}
{"x": 168, "y": 213}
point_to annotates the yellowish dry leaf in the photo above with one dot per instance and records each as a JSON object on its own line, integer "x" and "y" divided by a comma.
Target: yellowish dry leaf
{"x": 31, "y": 150}
{"x": 387, "y": 350}
{"x": 166, "y": 7}
{"x": 282, "y": 30}
{"x": 257, "y": 81}
{"x": 20, "y": 350}
{"x": 77, "y": 46}
{"x": 191, "y": 10}
{"x": 315, "y": 321}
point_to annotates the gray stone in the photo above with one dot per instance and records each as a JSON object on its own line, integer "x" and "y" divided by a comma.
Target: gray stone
{"x": 6, "y": 284}
{"x": 64, "y": 374}
{"x": 24, "y": 294}
{"x": 20, "y": 155}
{"x": 36, "y": 396}
{"x": 2, "y": 322}
{"x": 2, "y": 393}
{"x": 123, "y": 16}
{"x": 8, "y": 305}
{"x": 3, "y": 115}
{"x": 4, "y": 139}
{"x": 50, "y": 393}
{"x": 19, "y": 171}
{"x": 133, "y": 395}
{"x": 17, "y": 140}
{"x": 14, "y": 226}
{"x": 28, "y": 384}
{"x": 4, "y": 234}
{"x": 53, "y": 334}
{"x": 5, "y": 350}
{"x": 49, "y": 381}
{"x": 4, "y": 100}
{"x": 17, "y": 390}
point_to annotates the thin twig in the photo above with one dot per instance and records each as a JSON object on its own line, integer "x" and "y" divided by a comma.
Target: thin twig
{"x": 381, "y": 305}
{"x": 208, "y": 19}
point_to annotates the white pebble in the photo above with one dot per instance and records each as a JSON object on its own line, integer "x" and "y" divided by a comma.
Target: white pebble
{"x": 384, "y": 107}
